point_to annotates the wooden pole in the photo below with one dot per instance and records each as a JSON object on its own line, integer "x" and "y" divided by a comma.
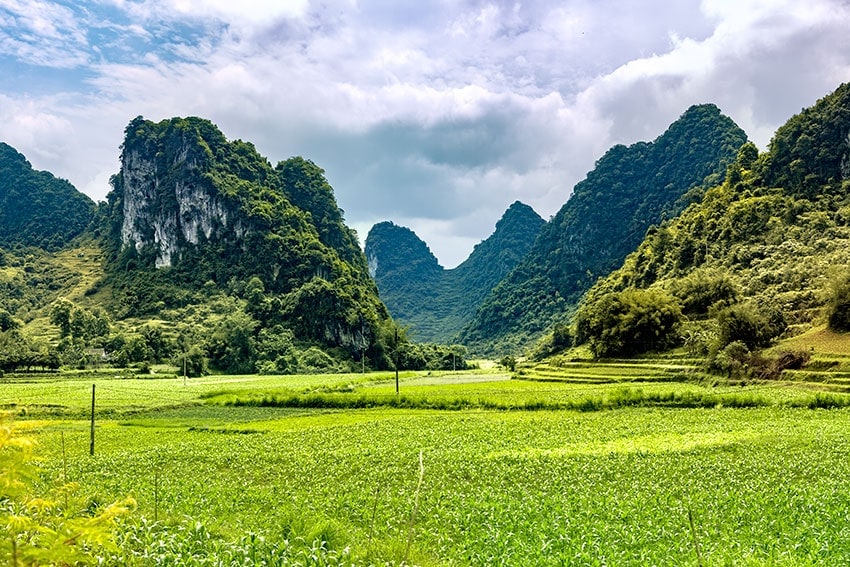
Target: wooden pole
{"x": 396, "y": 361}
{"x": 91, "y": 442}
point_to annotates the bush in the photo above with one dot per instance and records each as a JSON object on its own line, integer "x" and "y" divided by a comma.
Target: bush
{"x": 703, "y": 289}
{"x": 508, "y": 362}
{"x": 838, "y": 309}
{"x": 315, "y": 359}
{"x": 629, "y": 322}
{"x": 752, "y": 326}
{"x": 737, "y": 361}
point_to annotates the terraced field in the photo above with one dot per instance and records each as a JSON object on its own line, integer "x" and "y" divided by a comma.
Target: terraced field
{"x": 612, "y": 371}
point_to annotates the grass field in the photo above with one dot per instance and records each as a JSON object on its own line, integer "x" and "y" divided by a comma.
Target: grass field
{"x": 314, "y": 476}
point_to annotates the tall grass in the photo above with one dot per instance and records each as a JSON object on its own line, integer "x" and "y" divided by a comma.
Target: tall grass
{"x": 612, "y": 399}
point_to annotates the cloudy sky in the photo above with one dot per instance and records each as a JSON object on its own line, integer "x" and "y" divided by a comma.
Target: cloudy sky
{"x": 436, "y": 115}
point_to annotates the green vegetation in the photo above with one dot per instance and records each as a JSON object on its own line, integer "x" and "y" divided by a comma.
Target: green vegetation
{"x": 628, "y": 323}
{"x": 838, "y": 309}
{"x": 694, "y": 410}
{"x": 36, "y": 208}
{"x": 221, "y": 480}
{"x": 753, "y": 262}
{"x": 301, "y": 299}
{"x": 48, "y": 529}
{"x": 607, "y": 216}
{"x": 436, "y": 303}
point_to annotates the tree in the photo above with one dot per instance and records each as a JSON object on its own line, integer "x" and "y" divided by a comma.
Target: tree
{"x": 60, "y": 315}
{"x": 508, "y": 362}
{"x": 749, "y": 324}
{"x": 7, "y": 322}
{"x": 702, "y": 289}
{"x": 193, "y": 362}
{"x": 232, "y": 347}
{"x": 838, "y": 309}
{"x": 629, "y": 322}
{"x": 159, "y": 345}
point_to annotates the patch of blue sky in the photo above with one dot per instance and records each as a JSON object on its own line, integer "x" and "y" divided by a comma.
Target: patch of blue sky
{"x": 37, "y": 80}
{"x": 62, "y": 49}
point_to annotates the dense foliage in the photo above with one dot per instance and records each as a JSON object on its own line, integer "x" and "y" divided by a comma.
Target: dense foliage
{"x": 436, "y": 303}
{"x": 838, "y": 309}
{"x": 607, "y": 216}
{"x": 36, "y": 208}
{"x": 766, "y": 252}
{"x": 628, "y": 323}
{"x": 197, "y": 220}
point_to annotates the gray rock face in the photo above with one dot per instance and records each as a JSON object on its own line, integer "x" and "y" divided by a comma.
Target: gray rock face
{"x": 170, "y": 216}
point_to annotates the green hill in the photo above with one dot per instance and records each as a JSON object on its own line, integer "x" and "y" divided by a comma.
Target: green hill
{"x": 193, "y": 215}
{"x": 36, "y": 208}
{"x": 766, "y": 254}
{"x": 436, "y": 303}
{"x": 630, "y": 189}
{"x": 204, "y": 254}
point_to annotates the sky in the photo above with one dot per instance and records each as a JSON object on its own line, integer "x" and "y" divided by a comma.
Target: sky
{"x": 436, "y": 115}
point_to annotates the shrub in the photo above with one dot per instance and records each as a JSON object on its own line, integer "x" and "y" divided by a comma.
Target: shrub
{"x": 703, "y": 289}
{"x": 316, "y": 360}
{"x": 751, "y": 326}
{"x": 737, "y": 361}
{"x": 838, "y": 309}
{"x": 508, "y": 362}
{"x": 48, "y": 529}
{"x": 629, "y": 322}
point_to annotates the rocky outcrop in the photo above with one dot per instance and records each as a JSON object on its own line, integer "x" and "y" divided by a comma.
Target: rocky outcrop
{"x": 197, "y": 212}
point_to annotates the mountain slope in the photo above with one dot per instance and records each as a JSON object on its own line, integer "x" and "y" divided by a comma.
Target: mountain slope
{"x": 630, "y": 189}
{"x": 435, "y": 302}
{"x": 36, "y": 208}
{"x": 192, "y": 213}
{"x": 771, "y": 242}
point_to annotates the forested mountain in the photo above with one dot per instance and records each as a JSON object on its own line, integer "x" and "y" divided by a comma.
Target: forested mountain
{"x": 436, "y": 302}
{"x": 192, "y": 213}
{"x": 205, "y": 255}
{"x": 764, "y": 254}
{"x": 36, "y": 208}
{"x": 630, "y": 189}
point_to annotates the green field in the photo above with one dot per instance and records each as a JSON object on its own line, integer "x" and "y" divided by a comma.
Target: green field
{"x": 326, "y": 469}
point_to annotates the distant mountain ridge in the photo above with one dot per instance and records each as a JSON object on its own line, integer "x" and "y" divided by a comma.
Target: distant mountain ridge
{"x": 37, "y": 208}
{"x": 762, "y": 255}
{"x": 629, "y": 189}
{"x": 204, "y": 255}
{"x": 436, "y": 302}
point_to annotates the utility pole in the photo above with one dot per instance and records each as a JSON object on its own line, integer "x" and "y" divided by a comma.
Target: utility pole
{"x": 396, "y": 361}
{"x": 91, "y": 442}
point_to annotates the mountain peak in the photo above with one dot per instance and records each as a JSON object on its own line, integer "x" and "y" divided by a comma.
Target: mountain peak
{"x": 36, "y": 208}
{"x": 435, "y": 302}
{"x": 630, "y": 189}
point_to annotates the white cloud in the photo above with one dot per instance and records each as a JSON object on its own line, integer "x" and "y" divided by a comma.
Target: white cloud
{"x": 42, "y": 33}
{"x": 435, "y": 115}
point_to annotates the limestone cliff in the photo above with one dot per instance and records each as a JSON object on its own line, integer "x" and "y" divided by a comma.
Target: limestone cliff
{"x": 192, "y": 212}
{"x": 168, "y": 212}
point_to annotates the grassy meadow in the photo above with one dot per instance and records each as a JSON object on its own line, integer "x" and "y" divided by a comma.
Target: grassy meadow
{"x": 629, "y": 464}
